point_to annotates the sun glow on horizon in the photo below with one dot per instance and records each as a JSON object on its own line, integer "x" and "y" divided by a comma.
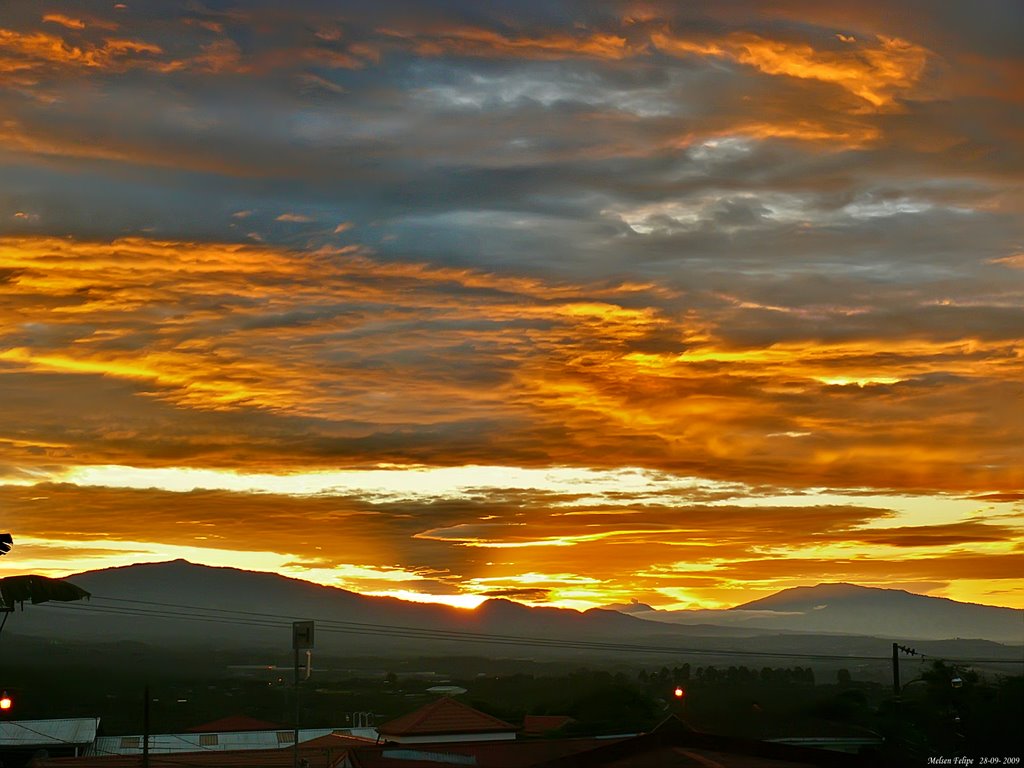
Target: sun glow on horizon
{"x": 462, "y": 601}
{"x": 588, "y": 511}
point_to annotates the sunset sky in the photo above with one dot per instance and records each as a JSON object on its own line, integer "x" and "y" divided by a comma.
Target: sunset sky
{"x": 569, "y": 302}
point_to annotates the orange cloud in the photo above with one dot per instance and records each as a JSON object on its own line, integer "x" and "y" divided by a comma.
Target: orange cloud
{"x": 878, "y": 72}
{"x": 64, "y": 21}
{"x": 1014, "y": 261}
{"x": 486, "y": 43}
{"x": 255, "y": 361}
{"x": 718, "y": 360}
{"x": 33, "y": 51}
{"x": 45, "y": 53}
{"x": 363, "y": 346}
{"x": 836, "y": 133}
{"x": 219, "y": 56}
{"x": 530, "y": 546}
{"x": 710, "y": 407}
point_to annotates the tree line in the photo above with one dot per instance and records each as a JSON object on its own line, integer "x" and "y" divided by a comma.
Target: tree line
{"x": 732, "y": 674}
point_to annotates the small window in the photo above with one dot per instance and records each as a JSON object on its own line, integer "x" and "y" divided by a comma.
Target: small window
{"x": 285, "y": 737}
{"x": 131, "y": 742}
{"x": 208, "y": 740}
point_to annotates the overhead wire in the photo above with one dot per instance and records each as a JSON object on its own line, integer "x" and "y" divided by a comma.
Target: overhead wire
{"x": 174, "y": 611}
{"x": 416, "y": 633}
{"x": 458, "y": 635}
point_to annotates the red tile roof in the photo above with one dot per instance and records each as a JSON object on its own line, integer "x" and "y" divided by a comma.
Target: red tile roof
{"x": 235, "y": 723}
{"x": 443, "y": 717}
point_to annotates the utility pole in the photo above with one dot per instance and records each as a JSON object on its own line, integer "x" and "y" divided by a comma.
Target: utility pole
{"x": 895, "y": 670}
{"x": 145, "y": 727}
{"x": 295, "y": 736}
{"x": 896, "y": 648}
{"x": 302, "y": 640}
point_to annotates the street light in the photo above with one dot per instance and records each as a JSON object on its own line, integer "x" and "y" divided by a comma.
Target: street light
{"x": 6, "y": 702}
{"x": 679, "y": 692}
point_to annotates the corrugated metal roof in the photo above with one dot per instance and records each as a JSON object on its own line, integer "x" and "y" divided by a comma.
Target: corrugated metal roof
{"x": 172, "y": 743}
{"x": 235, "y": 723}
{"x": 325, "y": 752}
{"x": 71, "y": 732}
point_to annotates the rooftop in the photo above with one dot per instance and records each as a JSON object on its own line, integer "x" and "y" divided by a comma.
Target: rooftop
{"x": 483, "y": 754}
{"x": 444, "y": 716}
{"x": 70, "y": 732}
{"x": 232, "y": 741}
{"x": 235, "y": 723}
{"x": 323, "y": 752}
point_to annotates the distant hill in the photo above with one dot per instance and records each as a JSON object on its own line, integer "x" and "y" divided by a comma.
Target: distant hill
{"x": 226, "y": 612}
{"x": 142, "y": 603}
{"x": 634, "y": 606}
{"x": 852, "y": 609}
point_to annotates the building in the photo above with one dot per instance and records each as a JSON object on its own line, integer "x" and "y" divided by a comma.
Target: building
{"x": 236, "y": 723}
{"x": 223, "y": 741}
{"x": 442, "y": 733}
{"x": 671, "y": 745}
{"x": 21, "y": 740}
{"x": 446, "y": 720}
{"x": 483, "y": 754}
{"x": 322, "y": 752}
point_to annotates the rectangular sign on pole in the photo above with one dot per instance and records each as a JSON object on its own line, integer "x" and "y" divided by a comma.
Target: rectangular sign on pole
{"x": 302, "y": 635}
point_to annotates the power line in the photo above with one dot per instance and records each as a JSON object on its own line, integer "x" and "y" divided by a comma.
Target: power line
{"x": 267, "y": 621}
{"x": 480, "y": 638}
{"x": 460, "y": 636}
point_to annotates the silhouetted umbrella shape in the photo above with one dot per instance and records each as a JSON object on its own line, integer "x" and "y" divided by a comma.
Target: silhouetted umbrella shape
{"x": 37, "y": 589}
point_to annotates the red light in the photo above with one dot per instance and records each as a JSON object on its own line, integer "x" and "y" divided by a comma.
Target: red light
{"x": 679, "y": 692}
{"x": 5, "y": 702}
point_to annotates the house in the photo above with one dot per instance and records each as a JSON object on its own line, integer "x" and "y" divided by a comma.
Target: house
{"x": 446, "y": 720}
{"x": 20, "y": 740}
{"x": 671, "y": 745}
{"x": 526, "y": 753}
{"x": 236, "y": 723}
{"x": 321, "y": 752}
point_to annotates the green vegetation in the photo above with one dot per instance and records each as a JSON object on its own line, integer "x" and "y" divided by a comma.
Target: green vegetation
{"x": 947, "y": 711}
